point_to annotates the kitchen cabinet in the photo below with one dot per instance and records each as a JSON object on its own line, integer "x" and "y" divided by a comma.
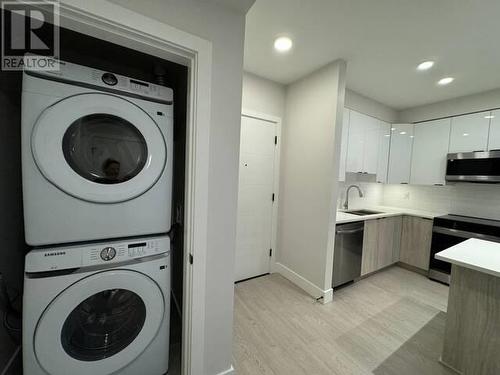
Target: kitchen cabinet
{"x": 400, "y": 154}
{"x": 494, "y": 138}
{"x": 384, "y": 144}
{"x": 367, "y": 145}
{"x": 343, "y": 143}
{"x": 416, "y": 242}
{"x": 470, "y": 132}
{"x": 381, "y": 242}
{"x": 369, "y": 260}
{"x": 389, "y": 240}
{"x": 363, "y": 144}
{"x": 356, "y": 142}
{"x": 430, "y": 147}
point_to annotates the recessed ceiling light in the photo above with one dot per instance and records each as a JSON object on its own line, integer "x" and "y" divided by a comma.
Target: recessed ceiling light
{"x": 425, "y": 65}
{"x": 283, "y": 44}
{"x": 445, "y": 81}
{"x": 489, "y": 116}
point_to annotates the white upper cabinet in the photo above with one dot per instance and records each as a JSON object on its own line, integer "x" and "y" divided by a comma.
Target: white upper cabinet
{"x": 356, "y": 142}
{"x": 430, "y": 147}
{"x": 400, "y": 154}
{"x": 494, "y": 140}
{"x": 371, "y": 147}
{"x": 363, "y": 143}
{"x": 470, "y": 132}
{"x": 383, "y": 151}
{"x": 343, "y": 145}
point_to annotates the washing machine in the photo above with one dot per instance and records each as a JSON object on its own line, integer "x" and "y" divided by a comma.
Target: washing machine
{"x": 96, "y": 156}
{"x": 99, "y": 309}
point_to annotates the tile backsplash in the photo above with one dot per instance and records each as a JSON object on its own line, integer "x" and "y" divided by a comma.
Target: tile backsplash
{"x": 372, "y": 195}
{"x": 460, "y": 199}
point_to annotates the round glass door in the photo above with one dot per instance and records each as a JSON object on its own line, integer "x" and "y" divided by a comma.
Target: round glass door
{"x": 104, "y": 148}
{"x": 99, "y": 324}
{"x": 99, "y": 148}
{"x": 103, "y": 325}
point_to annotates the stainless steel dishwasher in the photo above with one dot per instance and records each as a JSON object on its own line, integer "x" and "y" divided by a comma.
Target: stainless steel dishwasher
{"x": 347, "y": 252}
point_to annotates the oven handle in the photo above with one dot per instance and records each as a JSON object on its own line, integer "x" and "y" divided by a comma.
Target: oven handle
{"x": 464, "y": 234}
{"x": 351, "y": 231}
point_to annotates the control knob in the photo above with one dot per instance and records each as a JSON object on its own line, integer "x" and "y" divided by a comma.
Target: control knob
{"x": 108, "y": 253}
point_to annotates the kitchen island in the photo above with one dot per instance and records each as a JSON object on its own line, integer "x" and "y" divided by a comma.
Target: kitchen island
{"x": 472, "y": 334}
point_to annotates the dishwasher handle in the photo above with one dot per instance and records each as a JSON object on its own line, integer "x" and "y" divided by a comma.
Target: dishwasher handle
{"x": 349, "y": 231}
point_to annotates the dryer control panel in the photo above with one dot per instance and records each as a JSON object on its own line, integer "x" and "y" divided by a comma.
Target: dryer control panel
{"x": 86, "y": 76}
{"x": 94, "y": 254}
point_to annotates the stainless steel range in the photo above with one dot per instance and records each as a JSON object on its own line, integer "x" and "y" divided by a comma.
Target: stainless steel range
{"x": 450, "y": 230}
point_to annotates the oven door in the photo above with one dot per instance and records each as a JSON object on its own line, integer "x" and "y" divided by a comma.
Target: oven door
{"x": 444, "y": 238}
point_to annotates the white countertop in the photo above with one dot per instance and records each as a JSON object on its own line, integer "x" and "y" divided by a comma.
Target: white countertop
{"x": 479, "y": 255}
{"x": 386, "y": 211}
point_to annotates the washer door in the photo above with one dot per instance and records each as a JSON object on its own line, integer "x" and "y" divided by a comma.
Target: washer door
{"x": 99, "y": 324}
{"x": 98, "y": 147}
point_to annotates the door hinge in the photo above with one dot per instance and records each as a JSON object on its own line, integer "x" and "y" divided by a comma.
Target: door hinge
{"x": 190, "y": 258}
{"x": 270, "y": 252}
{"x": 272, "y": 198}
{"x": 275, "y": 139}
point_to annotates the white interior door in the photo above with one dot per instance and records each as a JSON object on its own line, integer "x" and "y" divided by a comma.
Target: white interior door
{"x": 255, "y": 197}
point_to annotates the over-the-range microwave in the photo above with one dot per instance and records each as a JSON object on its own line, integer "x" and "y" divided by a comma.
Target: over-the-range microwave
{"x": 477, "y": 166}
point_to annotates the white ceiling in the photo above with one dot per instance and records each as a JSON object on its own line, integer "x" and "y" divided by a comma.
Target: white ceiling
{"x": 382, "y": 41}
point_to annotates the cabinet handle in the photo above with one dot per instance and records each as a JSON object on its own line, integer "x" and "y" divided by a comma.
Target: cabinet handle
{"x": 438, "y": 184}
{"x": 404, "y": 183}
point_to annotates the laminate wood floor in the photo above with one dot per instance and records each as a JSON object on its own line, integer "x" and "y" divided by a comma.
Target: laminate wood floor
{"x": 389, "y": 323}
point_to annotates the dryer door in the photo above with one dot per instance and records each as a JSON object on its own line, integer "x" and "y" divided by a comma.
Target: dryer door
{"x": 99, "y": 148}
{"x": 100, "y": 324}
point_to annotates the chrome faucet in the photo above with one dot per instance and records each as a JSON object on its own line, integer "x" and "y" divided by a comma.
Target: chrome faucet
{"x": 346, "y": 203}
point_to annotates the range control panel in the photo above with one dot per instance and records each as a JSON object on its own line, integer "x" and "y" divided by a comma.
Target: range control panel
{"x": 61, "y": 258}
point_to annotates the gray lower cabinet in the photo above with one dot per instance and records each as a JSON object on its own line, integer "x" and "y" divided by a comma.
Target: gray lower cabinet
{"x": 416, "y": 242}
{"x": 381, "y": 243}
{"x": 369, "y": 258}
{"x": 389, "y": 241}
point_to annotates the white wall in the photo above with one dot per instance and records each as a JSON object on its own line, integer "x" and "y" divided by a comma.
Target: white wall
{"x": 370, "y": 107}
{"x": 309, "y": 169}
{"x": 225, "y": 28}
{"x": 263, "y": 96}
{"x": 458, "y": 106}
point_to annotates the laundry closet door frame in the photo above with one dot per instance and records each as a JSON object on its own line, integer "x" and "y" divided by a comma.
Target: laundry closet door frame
{"x": 276, "y": 182}
{"x": 113, "y": 23}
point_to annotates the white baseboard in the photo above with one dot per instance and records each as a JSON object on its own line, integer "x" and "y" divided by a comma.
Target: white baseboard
{"x": 303, "y": 283}
{"x": 328, "y": 295}
{"x": 229, "y": 371}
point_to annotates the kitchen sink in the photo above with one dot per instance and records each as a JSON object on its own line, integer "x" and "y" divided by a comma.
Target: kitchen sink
{"x": 363, "y": 212}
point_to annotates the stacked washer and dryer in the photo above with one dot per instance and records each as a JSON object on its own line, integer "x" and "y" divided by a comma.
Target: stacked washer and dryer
{"x": 97, "y": 186}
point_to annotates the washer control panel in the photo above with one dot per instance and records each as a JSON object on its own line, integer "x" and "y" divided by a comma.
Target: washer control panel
{"x": 59, "y": 258}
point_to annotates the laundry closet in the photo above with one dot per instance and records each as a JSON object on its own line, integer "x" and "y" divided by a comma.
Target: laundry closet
{"x": 101, "y": 144}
